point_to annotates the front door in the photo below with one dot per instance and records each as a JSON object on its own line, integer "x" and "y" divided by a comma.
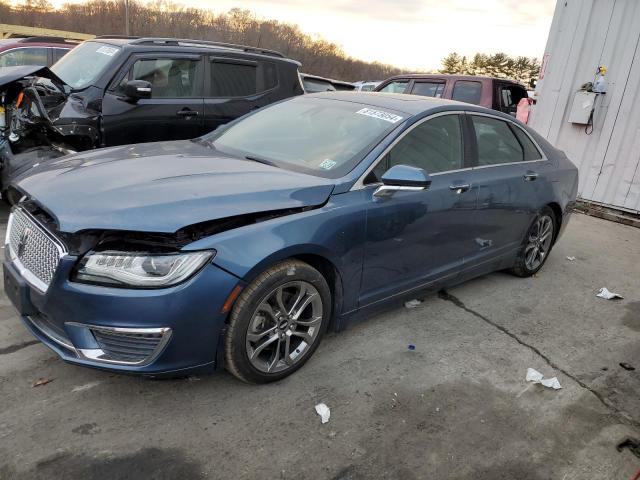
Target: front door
{"x": 414, "y": 238}
{"x": 175, "y": 110}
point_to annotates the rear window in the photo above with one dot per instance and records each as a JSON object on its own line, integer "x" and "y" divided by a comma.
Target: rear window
{"x": 467, "y": 91}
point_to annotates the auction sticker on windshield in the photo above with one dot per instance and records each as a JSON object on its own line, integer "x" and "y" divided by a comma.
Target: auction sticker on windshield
{"x": 379, "y": 114}
{"x": 110, "y": 51}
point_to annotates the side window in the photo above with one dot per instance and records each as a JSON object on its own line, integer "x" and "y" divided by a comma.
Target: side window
{"x": 428, "y": 89}
{"x": 531, "y": 152}
{"x": 510, "y": 96}
{"x": 496, "y": 142}
{"x": 58, "y": 53}
{"x": 24, "y": 56}
{"x": 233, "y": 79}
{"x": 467, "y": 91}
{"x": 169, "y": 77}
{"x": 397, "y": 86}
{"x": 435, "y": 146}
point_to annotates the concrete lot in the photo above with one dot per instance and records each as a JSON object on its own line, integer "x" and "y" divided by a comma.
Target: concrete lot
{"x": 455, "y": 408}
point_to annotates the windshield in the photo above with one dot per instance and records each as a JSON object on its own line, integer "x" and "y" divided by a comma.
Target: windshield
{"x": 83, "y": 65}
{"x": 320, "y": 136}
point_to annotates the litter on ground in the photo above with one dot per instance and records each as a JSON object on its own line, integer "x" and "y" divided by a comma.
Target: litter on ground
{"x": 412, "y": 303}
{"x": 606, "y": 294}
{"x": 323, "y": 411}
{"x": 571, "y": 259}
{"x": 536, "y": 377}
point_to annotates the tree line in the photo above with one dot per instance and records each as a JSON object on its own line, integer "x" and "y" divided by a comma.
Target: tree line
{"x": 523, "y": 69}
{"x": 166, "y": 19}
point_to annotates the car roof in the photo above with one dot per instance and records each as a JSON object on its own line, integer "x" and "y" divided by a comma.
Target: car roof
{"x": 179, "y": 44}
{"x": 429, "y": 76}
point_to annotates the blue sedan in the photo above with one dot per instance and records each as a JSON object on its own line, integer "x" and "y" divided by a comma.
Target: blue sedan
{"x": 240, "y": 249}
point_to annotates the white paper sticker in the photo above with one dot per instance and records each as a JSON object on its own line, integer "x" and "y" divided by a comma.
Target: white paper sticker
{"x": 328, "y": 164}
{"x": 109, "y": 51}
{"x": 379, "y": 114}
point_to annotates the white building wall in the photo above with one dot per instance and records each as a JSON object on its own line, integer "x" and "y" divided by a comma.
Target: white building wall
{"x": 584, "y": 35}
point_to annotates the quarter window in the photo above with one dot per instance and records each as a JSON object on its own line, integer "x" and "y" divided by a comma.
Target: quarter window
{"x": 169, "y": 77}
{"x": 531, "y": 152}
{"x": 397, "y": 86}
{"x": 467, "y": 91}
{"x": 496, "y": 142}
{"x": 428, "y": 89}
{"x": 24, "y": 56}
{"x": 435, "y": 146}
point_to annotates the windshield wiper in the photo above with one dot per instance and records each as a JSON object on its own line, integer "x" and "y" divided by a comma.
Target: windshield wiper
{"x": 260, "y": 160}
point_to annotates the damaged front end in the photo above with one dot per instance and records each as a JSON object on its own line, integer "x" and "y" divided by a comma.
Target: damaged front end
{"x": 41, "y": 118}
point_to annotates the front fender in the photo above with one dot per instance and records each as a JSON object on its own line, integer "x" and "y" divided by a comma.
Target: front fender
{"x": 335, "y": 232}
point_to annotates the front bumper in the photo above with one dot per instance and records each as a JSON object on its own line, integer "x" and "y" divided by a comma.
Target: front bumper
{"x": 181, "y": 325}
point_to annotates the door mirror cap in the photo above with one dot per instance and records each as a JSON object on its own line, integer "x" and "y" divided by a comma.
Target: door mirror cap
{"x": 135, "y": 90}
{"x": 403, "y": 178}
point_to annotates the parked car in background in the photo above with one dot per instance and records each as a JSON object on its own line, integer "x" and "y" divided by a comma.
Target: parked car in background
{"x": 115, "y": 91}
{"x": 241, "y": 248}
{"x": 366, "y": 86}
{"x": 42, "y": 51}
{"x": 495, "y": 93}
{"x": 316, "y": 84}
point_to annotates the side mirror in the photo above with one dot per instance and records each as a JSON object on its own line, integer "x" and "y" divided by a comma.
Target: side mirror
{"x": 135, "y": 90}
{"x": 403, "y": 178}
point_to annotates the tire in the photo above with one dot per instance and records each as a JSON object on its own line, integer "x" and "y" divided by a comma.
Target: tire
{"x": 269, "y": 336}
{"x": 535, "y": 248}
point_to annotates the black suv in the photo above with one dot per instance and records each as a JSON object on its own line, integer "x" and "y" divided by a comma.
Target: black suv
{"x": 114, "y": 91}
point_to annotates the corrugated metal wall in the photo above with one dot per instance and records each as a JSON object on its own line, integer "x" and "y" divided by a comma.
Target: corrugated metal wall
{"x": 585, "y": 34}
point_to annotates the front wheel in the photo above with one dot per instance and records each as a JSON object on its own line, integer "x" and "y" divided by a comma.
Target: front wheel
{"x": 536, "y": 245}
{"x": 277, "y": 322}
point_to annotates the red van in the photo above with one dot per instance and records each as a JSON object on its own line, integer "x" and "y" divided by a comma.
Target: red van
{"x": 495, "y": 93}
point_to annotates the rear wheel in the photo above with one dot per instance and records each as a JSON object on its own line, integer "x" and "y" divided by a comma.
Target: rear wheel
{"x": 536, "y": 245}
{"x": 277, "y": 322}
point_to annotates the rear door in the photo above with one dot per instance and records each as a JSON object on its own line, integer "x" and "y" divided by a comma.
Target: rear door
{"x": 236, "y": 86}
{"x": 512, "y": 178}
{"x": 175, "y": 110}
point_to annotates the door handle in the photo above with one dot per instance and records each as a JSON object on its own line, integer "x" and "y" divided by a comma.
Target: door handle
{"x": 530, "y": 176}
{"x": 187, "y": 112}
{"x": 460, "y": 187}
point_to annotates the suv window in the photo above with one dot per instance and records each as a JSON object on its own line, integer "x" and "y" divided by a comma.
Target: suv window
{"x": 58, "y": 53}
{"x": 496, "y": 142}
{"x": 397, "y": 86}
{"x": 231, "y": 79}
{"x": 435, "y": 146}
{"x": 24, "y": 56}
{"x": 428, "y": 89}
{"x": 169, "y": 77}
{"x": 467, "y": 91}
{"x": 509, "y": 97}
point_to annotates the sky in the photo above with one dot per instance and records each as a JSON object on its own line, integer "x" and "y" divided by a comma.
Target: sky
{"x": 411, "y": 34}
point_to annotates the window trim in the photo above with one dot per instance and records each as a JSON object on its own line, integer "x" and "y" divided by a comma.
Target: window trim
{"x": 511, "y": 124}
{"x": 359, "y": 184}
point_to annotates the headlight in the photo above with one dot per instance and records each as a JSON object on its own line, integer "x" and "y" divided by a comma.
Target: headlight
{"x": 140, "y": 270}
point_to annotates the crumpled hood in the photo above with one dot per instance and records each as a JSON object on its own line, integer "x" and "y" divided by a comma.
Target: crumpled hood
{"x": 162, "y": 187}
{"x": 11, "y": 74}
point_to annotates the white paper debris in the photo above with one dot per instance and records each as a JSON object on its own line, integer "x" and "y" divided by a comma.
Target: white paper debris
{"x": 536, "y": 377}
{"x": 606, "y": 294}
{"x": 412, "y": 303}
{"x": 551, "y": 383}
{"x": 571, "y": 259}
{"x": 323, "y": 411}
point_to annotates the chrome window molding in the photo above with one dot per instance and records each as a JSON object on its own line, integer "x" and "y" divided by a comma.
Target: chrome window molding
{"x": 359, "y": 185}
{"x": 24, "y": 272}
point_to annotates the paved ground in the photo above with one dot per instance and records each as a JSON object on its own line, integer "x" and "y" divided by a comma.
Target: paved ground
{"x": 455, "y": 408}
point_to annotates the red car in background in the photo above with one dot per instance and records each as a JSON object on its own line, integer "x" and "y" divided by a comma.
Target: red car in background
{"x": 43, "y": 51}
{"x": 495, "y": 93}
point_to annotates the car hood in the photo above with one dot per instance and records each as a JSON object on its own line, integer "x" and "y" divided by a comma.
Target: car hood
{"x": 11, "y": 74}
{"x": 163, "y": 187}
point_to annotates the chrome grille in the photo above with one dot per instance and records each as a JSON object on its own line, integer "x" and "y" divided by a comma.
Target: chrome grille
{"x": 130, "y": 346}
{"x": 35, "y": 251}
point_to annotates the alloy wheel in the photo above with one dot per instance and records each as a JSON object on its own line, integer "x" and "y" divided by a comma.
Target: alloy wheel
{"x": 284, "y": 326}
{"x": 539, "y": 242}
